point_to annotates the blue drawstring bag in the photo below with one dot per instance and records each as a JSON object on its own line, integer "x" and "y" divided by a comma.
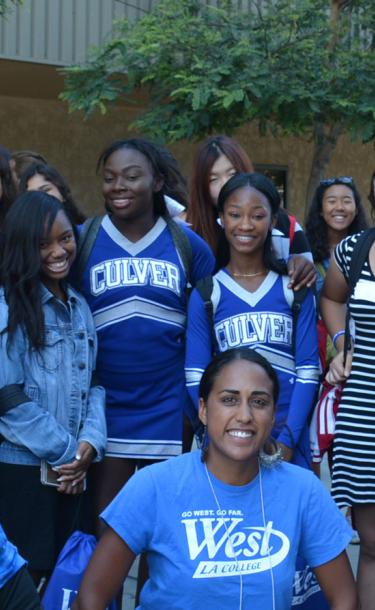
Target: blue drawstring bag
{"x": 66, "y": 577}
{"x": 307, "y": 594}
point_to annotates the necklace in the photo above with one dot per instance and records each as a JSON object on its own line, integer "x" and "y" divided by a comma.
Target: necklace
{"x": 230, "y": 541}
{"x": 248, "y": 274}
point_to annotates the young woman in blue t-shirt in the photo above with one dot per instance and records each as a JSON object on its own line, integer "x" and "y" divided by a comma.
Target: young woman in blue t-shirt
{"x": 222, "y": 529}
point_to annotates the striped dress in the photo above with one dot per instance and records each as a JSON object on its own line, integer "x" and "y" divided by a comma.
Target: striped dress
{"x": 353, "y": 476}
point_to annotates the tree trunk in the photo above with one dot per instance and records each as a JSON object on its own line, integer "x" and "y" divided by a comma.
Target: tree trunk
{"x": 325, "y": 136}
{"x": 325, "y": 140}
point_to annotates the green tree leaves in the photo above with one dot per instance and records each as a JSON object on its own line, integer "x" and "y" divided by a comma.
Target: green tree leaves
{"x": 286, "y": 63}
{"x": 294, "y": 66}
{"x": 6, "y": 6}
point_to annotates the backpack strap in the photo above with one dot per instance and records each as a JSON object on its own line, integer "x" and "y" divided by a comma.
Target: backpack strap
{"x": 298, "y": 298}
{"x": 359, "y": 256}
{"x": 86, "y": 242}
{"x": 321, "y": 269}
{"x": 10, "y": 397}
{"x": 90, "y": 231}
{"x": 292, "y": 230}
{"x": 205, "y": 287}
{"x": 182, "y": 245}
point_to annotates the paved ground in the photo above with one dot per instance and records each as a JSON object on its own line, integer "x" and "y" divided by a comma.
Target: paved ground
{"x": 353, "y": 549}
{"x": 130, "y": 589}
{"x": 130, "y": 585}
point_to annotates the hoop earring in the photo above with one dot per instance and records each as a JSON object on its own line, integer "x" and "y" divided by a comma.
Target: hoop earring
{"x": 271, "y": 458}
{"x": 205, "y": 443}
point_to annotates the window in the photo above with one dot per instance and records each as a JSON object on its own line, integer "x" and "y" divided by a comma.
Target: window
{"x": 279, "y": 176}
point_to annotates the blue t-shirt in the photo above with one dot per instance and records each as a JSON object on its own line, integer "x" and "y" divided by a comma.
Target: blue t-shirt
{"x": 169, "y": 511}
{"x": 10, "y": 560}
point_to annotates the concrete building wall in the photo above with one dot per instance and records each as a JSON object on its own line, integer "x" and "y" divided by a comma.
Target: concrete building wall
{"x": 41, "y": 35}
{"x": 349, "y": 159}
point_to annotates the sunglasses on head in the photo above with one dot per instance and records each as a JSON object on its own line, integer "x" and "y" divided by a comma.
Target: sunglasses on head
{"x": 337, "y": 180}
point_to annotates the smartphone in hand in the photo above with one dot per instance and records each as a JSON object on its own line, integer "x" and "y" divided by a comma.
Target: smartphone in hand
{"x": 48, "y": 476}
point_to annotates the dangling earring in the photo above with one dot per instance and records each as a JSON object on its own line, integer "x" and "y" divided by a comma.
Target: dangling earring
{"x": 204, "y": 445}
{"x": 271, "y": 458}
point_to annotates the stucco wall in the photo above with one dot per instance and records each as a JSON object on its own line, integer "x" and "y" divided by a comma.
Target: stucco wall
{"x": 73, "y": 144}
{"x": 349, "y": 159}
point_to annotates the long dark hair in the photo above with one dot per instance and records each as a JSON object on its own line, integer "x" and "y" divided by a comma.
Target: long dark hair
{"x": 27, "y": 223}
{"x": 262, "y": 184}
{"x": 160, "y": 161}
{"x": 371, "y": 195}
{"x": 23, "y": 159}
{"x": 202, "y": 214}
{"x": 231, "y": 355}
{"x": 176, "y": 185}
{"x": 52, "y": 175}
{"x": 316, "y": 226}
{"x": 8, "y": 188}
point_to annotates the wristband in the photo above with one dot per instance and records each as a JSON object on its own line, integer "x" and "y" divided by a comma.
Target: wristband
{"x": 336, "y": 336}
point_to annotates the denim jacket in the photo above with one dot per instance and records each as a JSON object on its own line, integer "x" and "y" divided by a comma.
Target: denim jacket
{"x": 63, "y": 408}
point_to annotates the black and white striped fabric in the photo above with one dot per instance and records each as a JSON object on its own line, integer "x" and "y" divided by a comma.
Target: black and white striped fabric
{"x": 353, "y": 476}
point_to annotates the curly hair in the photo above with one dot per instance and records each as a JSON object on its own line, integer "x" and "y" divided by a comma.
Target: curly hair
{"x": 163, "y": 165}
{"x": 316, "y": 227}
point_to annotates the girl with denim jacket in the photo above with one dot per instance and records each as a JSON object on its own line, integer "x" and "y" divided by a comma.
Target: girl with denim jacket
{"x": 51, "y": 412}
